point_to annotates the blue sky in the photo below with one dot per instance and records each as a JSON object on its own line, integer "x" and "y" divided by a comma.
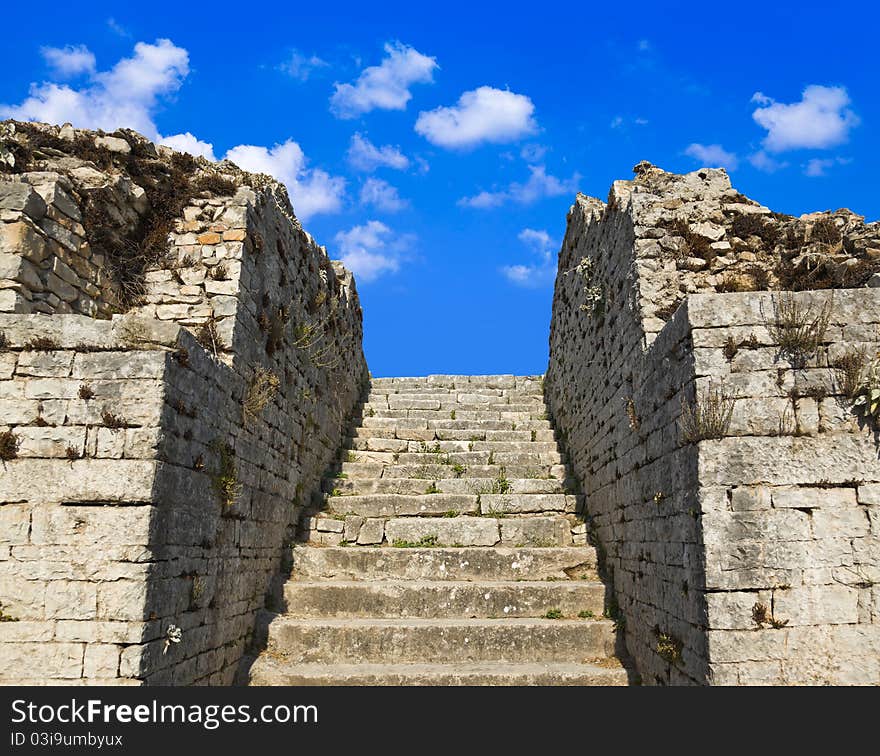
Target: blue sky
{"x": 437, "y": 148}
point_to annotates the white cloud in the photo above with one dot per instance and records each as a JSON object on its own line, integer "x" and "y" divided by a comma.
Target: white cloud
{"x": 820, "y": 166}
{"x": 385, "y": 86}
{"x": 763, "y": 162}
{"x": 301, "y": 67}
{"x": 186, "y": 142}
{"x": 382, "y": 195}
{"x": 370, "y": 250}
{"x": 70, "y": 60}
{"x": 311, "y": 190}
{"x": 117, "y": 28}
{"x": 820, "y": 120}
{"x": 124, "y": 96}
{"x": 539, "y": 274}
{"x": 481, "y": 115}
{"x": 538, "y": 240}
{"x": 538, "y": 186}
{"x": 366, "y": 156}
{"x": 711, "y": 155}
{"x": 616, "y": 122}
{"x": 817, "y": 166}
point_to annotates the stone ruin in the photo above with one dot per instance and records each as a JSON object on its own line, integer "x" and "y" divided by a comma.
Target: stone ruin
{"x": 181, "y": 363}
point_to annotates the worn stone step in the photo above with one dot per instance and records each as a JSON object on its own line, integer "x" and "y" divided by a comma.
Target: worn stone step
{"x": 443, "y": 446}
{"x": 479, "y": 531}
{"x": 512, "y": 412}
{"x": 465, "y": 457}
{"x": 526, "y": 503}
{"x": 402, "y": 505}
{"x": 349, "y": 486}
{"x": 476, "y": 424}
{"x": 442, "y": 599}
{"x": 475, "y": 396}
{"x": 267, "y": 671}
{"x": 344, "y": 641}
{"x": 533, "y": 469}
{"x": 496, "y": 564}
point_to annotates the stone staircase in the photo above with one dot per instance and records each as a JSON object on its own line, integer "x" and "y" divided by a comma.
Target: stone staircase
{"x": 448, "y": 551}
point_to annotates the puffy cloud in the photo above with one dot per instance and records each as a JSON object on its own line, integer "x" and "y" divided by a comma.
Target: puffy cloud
{"x": 817, "y": 166}
{"x": 124, "y": 96}
{"x": 539, "y": 274}
{"x": 485, "y": 114}
{"x": 70, "y": 60}
{"x": 301, "y": 67}
{"x": 366, "y": 156}
{"x": 371, "y": 250}
{"x": 382, "y": 195}
{"x": 820, "y": 120}
{"x": 186, "y": 142}
{"x": 385, "y": 86}
{"x": 538, "y": 186}
{"x": 763, "y": 162}
{"x": 712, "y": 155}
{"x": 538, "y": 240}
{"x": 311, "y": 190}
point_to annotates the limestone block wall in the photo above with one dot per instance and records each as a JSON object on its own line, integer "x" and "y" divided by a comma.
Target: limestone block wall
{"x": 171, "y": 449}
{"x": 746, "y": 559}
{"x": 789, "y": 504}
{"x": 46, "y": 263}
{"x": 616, "y": 409}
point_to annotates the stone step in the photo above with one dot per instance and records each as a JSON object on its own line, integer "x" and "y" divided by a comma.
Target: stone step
{"x": 479, "y": 531}
{"x": 474, "y": 424}
{"x": 355, "y": 641}
{"x": 428, "y": 472}
{"x": 475, "y": 396}
{"x": 362, "y": 486}
{"x": 486, "y": 565}
{"x": 517, "y": 413}
{"x": 426, "y": 503}
{"x": 403, "y": 505}
{"x": 454, "y": 458}
{"x": 447, "y": 434}
{"x": 469, "y": 457}
{"x": 267, "y": 671}
{"x": 442, "y": 599}
{"x": 442, "y": 446}
{"x": 456, "y": 530}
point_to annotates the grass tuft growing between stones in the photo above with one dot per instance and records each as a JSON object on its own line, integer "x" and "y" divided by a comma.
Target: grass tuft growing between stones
{"x": 9, "y": 444}
{"x": 708, "y": 417}
{"x": 224, "y": 479}
{"x": 428, "y": 541}
{"x": 669, "y": 647}
{"x": 798, "y": 328}
{"x": 41, "y": 344}
{"x": 114, "y": 422}
{"x": 261, "y": 391}
{"x": 553, "y": 614}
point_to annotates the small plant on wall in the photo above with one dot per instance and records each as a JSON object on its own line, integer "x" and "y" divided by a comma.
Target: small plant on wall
{"x": 708, "y": 416}
{"x": 797, "y": 326}
{"x": 866, "y": 395}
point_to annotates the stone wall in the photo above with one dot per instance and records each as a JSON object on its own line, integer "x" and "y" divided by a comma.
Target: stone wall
{"x": 747, "y": 559}
{"x": 155, "y": 464}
